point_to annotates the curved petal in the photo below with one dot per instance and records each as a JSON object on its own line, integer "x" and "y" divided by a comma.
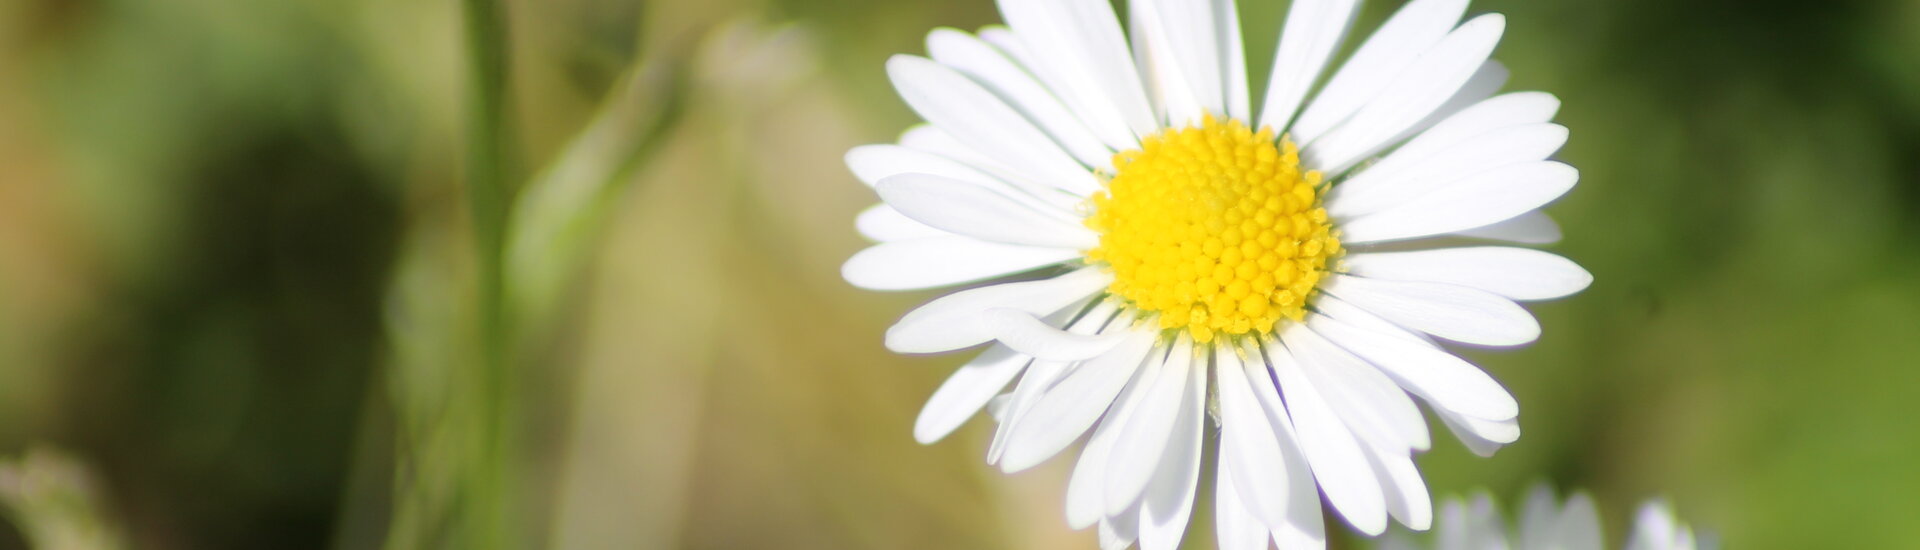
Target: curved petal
{"x": 1027, "y": 334}
{"x": 932, "y": 262}
{"x": 954, "y": 321}
{"x": 1076, "y": 402}
{"x": 1407, "y": 497}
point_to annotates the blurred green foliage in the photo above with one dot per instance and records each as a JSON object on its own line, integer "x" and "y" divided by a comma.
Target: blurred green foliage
{"x": 235, "y": 276}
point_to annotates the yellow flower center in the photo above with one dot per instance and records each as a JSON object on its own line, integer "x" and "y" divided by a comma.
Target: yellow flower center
{"x": 1215, "y": 228}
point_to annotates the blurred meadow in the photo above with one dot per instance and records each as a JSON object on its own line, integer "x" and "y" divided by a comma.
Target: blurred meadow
{"x": 239, "y": 292}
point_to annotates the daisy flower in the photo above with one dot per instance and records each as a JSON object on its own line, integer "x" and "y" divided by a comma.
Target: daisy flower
{"x": 1149, "y": 252}
{"x": 1546, "y": 524}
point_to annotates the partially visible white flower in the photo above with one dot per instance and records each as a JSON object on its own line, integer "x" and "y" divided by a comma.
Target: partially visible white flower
{"x": 1546, "y": 523}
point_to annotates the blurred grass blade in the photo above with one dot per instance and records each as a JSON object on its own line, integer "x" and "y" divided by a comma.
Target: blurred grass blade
{"x": 54, "y": 501}
{"x": 559, "y": 216}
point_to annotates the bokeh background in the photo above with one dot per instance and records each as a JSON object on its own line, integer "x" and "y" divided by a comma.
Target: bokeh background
{"x": 236, "y": 277}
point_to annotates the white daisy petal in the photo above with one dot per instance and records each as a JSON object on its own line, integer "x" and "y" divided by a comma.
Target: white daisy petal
{"x": 1040, "y": 376}
{"x": 1482, "y": 437}
{"x": 1516, "y": 273}
{"x": 1235, "y": 527}
{"x": 927, "y": 138}
{"x": 1247, "y": 439}
{"x": 954, "y": 321}
{"x": 1304, "y": 527}
{"x": 1653, "y": 528}
{"x": 1475, "y": 201}
{"x": 979, "y": 212}
{"x": 1331, "y": 451}
{"x": 1043, "y": 373}
{"x": 968, "y": 389}
{"x": 881, "y": 223}
{"x": 1233, "y": 53}
{"x": 1514, "y": 109}
{"x": 1313, "y": 31}
{"x": 1000, "y": 74}
{"x": 1333, "y": 306}
{"x": 1485, "y": 82}
{"x": 872, "y": 163}
{"x": 1117, "y": 532}
{"x": 1413, "y": 95}
{"x": 1079, "y": 44}
{"x": 1442, "y": 379}
{"x": 1407, "y": 498}
{"x": 932, "y": 262}
{"x": 1530, "y": 228}
{"x": 1406, "y": 36}
{"x": 983, "y": 122}
{"x": 1149, "y": 430}
{"x": 1171, "y": 76}
{"x": 1374, "y": 190}
{"x": 1086, "y": 489}
{"x": 1196, "y": 53}
{"x": 1027, "y": 334}
{"x": 1370, "y": 404}
{"x": 1167, "y": 503}
{"x": 1452, "y": 312}
{"x": 1076, "y": 402}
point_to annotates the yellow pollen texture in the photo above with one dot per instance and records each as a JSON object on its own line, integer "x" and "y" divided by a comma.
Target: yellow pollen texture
{"x": 1215, "y": 228}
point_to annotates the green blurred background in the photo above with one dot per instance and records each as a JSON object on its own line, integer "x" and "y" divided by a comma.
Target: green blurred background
{"x": 236, "y": 280}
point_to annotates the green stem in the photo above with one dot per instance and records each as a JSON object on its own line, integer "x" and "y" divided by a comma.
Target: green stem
{"x": 488, "y": 522}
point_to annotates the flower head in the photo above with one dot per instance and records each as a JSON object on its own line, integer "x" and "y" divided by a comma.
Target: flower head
{"x": 1156, "y": 253}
